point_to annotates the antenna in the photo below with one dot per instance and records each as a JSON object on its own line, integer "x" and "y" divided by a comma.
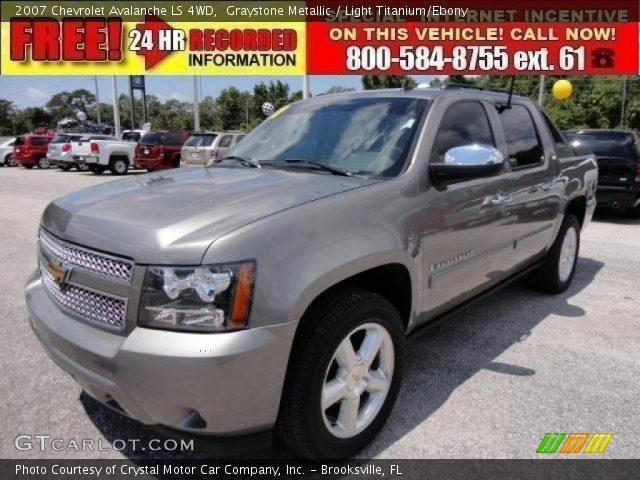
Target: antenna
{"x": 406, "y": 85}
{"x": 513, "y": 81}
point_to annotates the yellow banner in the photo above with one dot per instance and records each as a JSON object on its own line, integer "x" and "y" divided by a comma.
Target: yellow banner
{"x": 190, "y": 48}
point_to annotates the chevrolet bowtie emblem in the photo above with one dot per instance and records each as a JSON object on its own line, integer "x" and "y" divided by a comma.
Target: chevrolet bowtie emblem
{"x": 59, "y": 272}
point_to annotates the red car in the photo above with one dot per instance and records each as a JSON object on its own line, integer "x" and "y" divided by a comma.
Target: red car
{"x": 30, "y": 150}
{"x": 160, "y": 150}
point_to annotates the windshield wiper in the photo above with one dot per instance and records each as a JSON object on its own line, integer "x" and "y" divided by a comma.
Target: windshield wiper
{"x": 319, "y": 165}
{"x": 243, "y": 160}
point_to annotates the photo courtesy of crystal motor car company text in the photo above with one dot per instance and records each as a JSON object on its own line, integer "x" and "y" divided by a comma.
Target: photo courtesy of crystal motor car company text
{"x": 319, "y": 231}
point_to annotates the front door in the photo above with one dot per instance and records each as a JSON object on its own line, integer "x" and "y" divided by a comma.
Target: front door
{"x": 467, "y": 234}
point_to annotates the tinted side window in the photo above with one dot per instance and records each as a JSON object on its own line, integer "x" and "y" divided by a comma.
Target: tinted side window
{"x": 522, "y": 138}
{"x": 464, "y": 123}
{"x": 37, "y": 141}
{"x": 226, "y": 141}
{"x": 174, "y": 139}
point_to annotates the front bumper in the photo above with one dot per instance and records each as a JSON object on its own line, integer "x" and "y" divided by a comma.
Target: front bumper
{"x": 219, "y": 384}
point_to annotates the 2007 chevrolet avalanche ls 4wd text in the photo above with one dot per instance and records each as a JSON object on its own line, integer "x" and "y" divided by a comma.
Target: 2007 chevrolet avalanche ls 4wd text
{"x": 274, "y": 289}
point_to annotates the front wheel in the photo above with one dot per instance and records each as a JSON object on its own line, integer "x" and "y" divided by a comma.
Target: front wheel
{"x": 10, "y": 161}
{"x": 42, "y": 163}
{"x": 344, "y": 377}
{"x": 556, "y": 273}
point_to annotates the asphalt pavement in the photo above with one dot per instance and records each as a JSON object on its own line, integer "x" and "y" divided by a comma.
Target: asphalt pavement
{"x": 487, "y": 384}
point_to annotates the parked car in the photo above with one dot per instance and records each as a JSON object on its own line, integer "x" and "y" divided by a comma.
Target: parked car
{"x": 30, "y": 150}
{"x": 80, "y": 149}
{"x": 6, "y": 153}
{"x": 618, "y": 155}
{"x": 111, "y": 154}
{"x": 59, "y": 151}
{"x": 274, "y": 289}
{"x": 160, "y": 150}
{"x": 133, "y": 135}
{"x": 204, "y": 148}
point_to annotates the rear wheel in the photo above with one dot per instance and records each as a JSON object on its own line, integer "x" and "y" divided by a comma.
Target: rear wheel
{"x": 345, "y": 375}
{"x": 42, "y": 163}
{"x": 555, "y": 275}
{"x": 118, "y": 166}
{"x": 632, "y": 212}
{"x": 83, "y": 167}
{"x": 10, "y": 161}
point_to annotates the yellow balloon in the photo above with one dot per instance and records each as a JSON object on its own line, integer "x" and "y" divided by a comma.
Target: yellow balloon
{"x": 562, "y": 89}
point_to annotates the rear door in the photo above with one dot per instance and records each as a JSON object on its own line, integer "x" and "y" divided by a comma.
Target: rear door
{"x": 536, "y": 195}
{"x": 466, "y": 228}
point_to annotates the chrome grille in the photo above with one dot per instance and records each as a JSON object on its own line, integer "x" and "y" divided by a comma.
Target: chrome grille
{"x": 96, "y": 262}
{"x": 97, "y": 307}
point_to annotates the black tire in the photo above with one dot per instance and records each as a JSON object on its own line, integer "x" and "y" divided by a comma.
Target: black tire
{"x": 301, "y": 424}
{"x": 42, "y": 163}
{"x": 10, "y": 161}
{"x": 632, "y": 212}
{"x": 118, "y": 166}
{"x": 548, "y": 278}
{"x": 83, "y": 167}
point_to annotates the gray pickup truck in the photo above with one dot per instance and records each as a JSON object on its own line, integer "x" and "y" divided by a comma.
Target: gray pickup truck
{"x": 274, "y": 290}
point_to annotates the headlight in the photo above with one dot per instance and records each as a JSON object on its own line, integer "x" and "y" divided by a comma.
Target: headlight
{"x": 205, "y": 299}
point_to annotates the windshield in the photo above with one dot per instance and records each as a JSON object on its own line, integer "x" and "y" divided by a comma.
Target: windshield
{"x": 363, "y": 136}
{"x": 155, "y": 138}
{"x": 19, "y": 141}
{"x": 610, "y": 144}
{"x": 200, "y": 141}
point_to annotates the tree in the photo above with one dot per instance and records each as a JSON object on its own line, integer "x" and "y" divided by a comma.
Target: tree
{"x": 31, "y": 118}
{"x": 232, "y": 107}
{"x": 276, "y": 93}
{"x": 375, "y": 82}
{"x": 7, "y": 114}
{"x": 66, "y": 104}
{"x": 339, "y": 89}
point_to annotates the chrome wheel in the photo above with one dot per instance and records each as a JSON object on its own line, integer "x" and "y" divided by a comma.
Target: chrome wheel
{"x": 120, "y": 167}
{"x": 43, "y": 163}
{"x": 357, "y": 380}
{"x": 568, "y": 253}
{"x": 83, "y": 167}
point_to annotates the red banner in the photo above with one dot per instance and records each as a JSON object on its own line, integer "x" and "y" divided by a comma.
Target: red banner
{"x": 405, "y": 38}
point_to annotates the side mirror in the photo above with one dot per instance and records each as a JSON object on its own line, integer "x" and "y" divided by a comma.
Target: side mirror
{"x": 468, "y": 161}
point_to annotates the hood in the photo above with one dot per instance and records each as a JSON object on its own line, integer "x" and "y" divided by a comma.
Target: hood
{"x": 172, "y": 217}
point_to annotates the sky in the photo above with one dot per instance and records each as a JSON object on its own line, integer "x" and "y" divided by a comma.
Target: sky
{"x": 35, "y": 91}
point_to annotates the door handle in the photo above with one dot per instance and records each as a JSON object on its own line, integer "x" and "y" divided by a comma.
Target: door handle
{"x": 501, "y": 199}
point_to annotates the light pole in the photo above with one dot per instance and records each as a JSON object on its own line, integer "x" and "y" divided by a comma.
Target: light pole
{"x": 95, "y": 79}
{"x": 116, "y": 107}
{"x": 196, "y": 104}
{"x": 541, "y": 91}
{"x": 305, "y": 87}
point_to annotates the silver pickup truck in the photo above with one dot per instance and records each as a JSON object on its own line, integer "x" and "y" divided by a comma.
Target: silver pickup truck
{"x": 274, "y": 290}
